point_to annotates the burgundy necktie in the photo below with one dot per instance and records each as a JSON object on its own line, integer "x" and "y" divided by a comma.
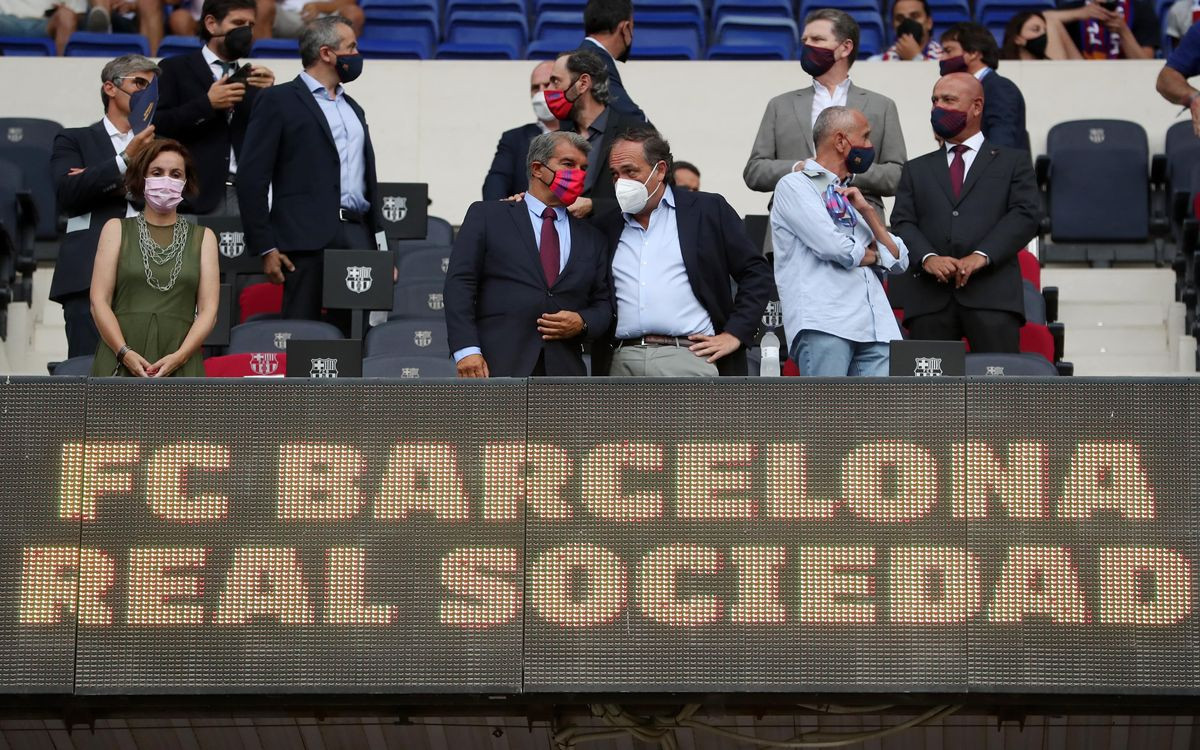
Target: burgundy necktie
{"x": 958, "y": 168}
{"x": 549, "y": 246}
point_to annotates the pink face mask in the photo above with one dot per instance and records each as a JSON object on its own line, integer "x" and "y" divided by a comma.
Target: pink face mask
{"x": 163, "y": 194}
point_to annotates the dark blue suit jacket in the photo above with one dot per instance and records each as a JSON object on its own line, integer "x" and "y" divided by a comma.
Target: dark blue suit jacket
{"x": 289, "y": 144}
{"x": 1003, "y": 112}
{"x": 618, "y": 98}
{"x": 496, "y": 290}
{"x": 508, "y": 175}
{"x": 716, "y": 250}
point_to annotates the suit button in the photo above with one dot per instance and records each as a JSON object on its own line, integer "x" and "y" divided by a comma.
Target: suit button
{"x": 954, "y": 213}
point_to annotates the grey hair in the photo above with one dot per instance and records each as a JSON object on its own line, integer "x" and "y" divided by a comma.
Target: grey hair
{"x": 317, "y": 34}
{"x": 844, "y": 26}
{"x": 830, "y": 121}
{"x": 541, "y": 149}
{"x": 124, "y": 66}
{"x": 584, "y": 61}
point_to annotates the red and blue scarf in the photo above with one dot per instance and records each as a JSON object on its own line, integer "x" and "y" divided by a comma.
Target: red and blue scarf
{"x": 1101, "y": 44}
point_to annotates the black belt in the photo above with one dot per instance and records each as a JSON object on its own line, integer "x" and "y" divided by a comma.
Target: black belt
{"x": 352, "y": 217}
{"x": 652, "y": 339}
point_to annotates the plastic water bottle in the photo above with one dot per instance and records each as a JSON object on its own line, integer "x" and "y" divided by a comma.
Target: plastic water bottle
{"x": 768, "y": 366}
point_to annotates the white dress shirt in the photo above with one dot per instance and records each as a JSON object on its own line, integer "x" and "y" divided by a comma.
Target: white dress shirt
{"x": 823, "y": 99}
{"x": 214, "y": 67}
{"x": 120, "y": 141}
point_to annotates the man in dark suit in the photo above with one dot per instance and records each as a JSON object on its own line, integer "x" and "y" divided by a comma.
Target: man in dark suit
{"x": 508, "y": 176}
{"x": 608, "y": 25}
{"x": 964, "y": 211}
{"x": 528, "y": 282}
{"x": 674, "y": 254}
{"x": 310, "y": 140}
{"x": 89, "y": 166}
{"x": 970, "y": 47}
{"x": 201, "y": 109}
{"x": 582, "y": 78}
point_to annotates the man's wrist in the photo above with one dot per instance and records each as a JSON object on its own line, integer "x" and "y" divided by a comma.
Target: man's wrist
{"x": 1192, "y": 97}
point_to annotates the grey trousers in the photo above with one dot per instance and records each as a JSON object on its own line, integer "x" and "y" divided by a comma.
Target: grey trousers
{"x": 659, "y": 362}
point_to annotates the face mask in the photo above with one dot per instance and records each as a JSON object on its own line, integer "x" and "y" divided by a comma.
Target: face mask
{"x": 860, "y": 158}
{"x": 556, "y": 102}
{"x": 912, "y": 28}
{"x": 142, "y": 105}
{"x": 349, "y": 67}
{"x": 237, "y": 42}
{"x": 567, "y": 185}
{"x": 947, "y": 123}
{"x": 163, "y": 194}
{"x": 1037, "y": 46}
{"x": 540, "y": 110}
{"x": 816, "y": 61}
{"x": 632, "y": 195}
{"x": 956, "y": 64}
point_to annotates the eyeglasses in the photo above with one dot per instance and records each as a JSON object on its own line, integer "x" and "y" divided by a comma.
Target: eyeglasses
{"x": 139, "y": 83}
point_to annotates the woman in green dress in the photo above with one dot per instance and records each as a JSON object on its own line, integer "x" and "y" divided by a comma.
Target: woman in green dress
{"x": 155, "y": 283}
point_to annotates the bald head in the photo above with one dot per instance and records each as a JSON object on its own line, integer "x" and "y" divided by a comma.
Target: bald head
{"x": 836, "y": 131}
{"x": 962, "y": 92}
{"x": 540, "y": 78}
{"x": 833, "y": 120}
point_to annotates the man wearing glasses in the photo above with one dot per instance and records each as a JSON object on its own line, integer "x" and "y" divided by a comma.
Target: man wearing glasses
{"x": 89, "y": 165}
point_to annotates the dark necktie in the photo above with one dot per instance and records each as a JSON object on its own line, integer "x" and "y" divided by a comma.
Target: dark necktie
{"x": 226, "y": 67}
{"x": 549, "y": 246}
{"x": 958, "y": 168}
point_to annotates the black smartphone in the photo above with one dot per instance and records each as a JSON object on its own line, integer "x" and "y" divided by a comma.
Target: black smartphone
{"x": 1110, "y": 5}
{"x": 241, "y": 75}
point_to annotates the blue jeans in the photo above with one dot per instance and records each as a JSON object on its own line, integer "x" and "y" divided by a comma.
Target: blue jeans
{"x": 824, "y": 355}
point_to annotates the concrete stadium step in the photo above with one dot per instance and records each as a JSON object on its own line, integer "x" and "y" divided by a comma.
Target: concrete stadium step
{"x": 1107, "y": 285}
{"x": 1117, "y": 340}
{"x": 1099, "y": 315}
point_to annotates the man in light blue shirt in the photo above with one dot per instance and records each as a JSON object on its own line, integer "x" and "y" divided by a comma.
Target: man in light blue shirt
{"x": 831, "y": 249}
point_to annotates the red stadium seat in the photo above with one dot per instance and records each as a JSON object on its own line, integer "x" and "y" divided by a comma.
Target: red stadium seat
{"x": 260, "y": 299}
{"x": 1037, "y": 339}
{"x": 246, "y": 365}
{"x": 1031, "y": 269}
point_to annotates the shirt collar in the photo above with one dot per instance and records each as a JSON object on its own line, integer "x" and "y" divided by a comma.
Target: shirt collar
{"x": 668, "y": 200}
{"x": 536, "y": 207}
{"x": 211, "y": 58}
{"x": 315, "y": 86}
{"x": 600, "y": 123}
{"x": 603, "y": 49}
{"x": 974, "y": 143}
{"x": 842, "y": 87}
{"x": 979, "y": 74}
{"x": 813, "y": 170}
{"x": 112, "y": 129}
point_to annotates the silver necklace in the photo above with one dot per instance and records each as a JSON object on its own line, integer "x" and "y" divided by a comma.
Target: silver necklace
{"x": 161, "y": 256}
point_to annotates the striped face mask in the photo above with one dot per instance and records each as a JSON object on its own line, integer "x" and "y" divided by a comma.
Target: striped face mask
{"x": 567, "y": 185}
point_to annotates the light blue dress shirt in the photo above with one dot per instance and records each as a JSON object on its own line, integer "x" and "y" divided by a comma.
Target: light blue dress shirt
{"x": 821, "y": 286}
{"x": 561, "y": 224}
{"x": 654, "y": 295}
{"x": 350, "y": 140}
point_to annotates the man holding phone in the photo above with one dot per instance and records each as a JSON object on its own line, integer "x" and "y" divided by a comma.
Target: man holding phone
{"x": 913, "y": 24}
{"x": 205, "y": 100}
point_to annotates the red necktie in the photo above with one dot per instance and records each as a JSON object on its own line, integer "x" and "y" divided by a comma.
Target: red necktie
{"x": 958, "y": 168}
{"x": 549, "y": 246}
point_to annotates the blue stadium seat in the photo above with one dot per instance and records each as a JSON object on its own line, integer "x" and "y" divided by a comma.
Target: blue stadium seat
{"x": 1035, "y": 303}
{"x": 426, "y": 263}
{"x": 998, "y": 12}
{"x": 418, "y": 298}
{"x": 73, "y": 367}
{"x": 178, "y": 45}
{"x": 30, "y": 131}
{"x": 418, "y": 27}
{"x": 667, "y": 36}
{"x": 454, "y": 7}
{"x": 757, "y": 8}
{"x": 273, "y": 335}
{"x": 439, "y": 231}
{"x": 1183, "y": 156}
{"x": 485, "y": 35}
{"x": 392, "y": 366}
{"x": 34, "y": 163}
{"x": 276, "y": 48}
{"x": 690, "y": 7}
{"x": 430, "y": 6}
{"x": 558, "y": 6}
{"x": 420, "y": 337}
{"x": 747, "y": 52}
{"x": 873, "y": 33}
{"x": 24, "y": 46}
{"x": 1029, "y": 365}
{"x": 17, "y": 213}
{"x": 562, "y": 31}
{"x": 89, "y": 44}
{"x": 1085, "y": 156}
{"x": 748, "y": 31}
{"x": 808, "y": 6}
{"x": 393, "y": 49}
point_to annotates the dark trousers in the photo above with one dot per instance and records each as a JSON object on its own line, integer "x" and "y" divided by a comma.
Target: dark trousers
{"x": 82, "y": 336}
{"x": 985, "y": 330}
{"x": 304, "y": 287}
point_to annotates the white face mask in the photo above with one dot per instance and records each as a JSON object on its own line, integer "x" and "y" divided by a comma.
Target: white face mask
{"x": 632, "y": 195}
{"x": 540, "y": 109}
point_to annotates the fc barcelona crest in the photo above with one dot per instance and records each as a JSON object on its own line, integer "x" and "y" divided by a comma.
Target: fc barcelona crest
{"x": 358, "y": 278}
{"x": 395, "y": 208}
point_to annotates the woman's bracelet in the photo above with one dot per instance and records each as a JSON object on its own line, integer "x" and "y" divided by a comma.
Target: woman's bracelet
{"x": 121, "y": 353}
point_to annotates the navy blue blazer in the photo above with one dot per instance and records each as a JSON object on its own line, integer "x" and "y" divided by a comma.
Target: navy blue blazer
{"x": 618, "y": 97}
{"x": 509, "y": 175}
{"x": 289, "y": 144}
{"x": 716, "y": 250}
{"x": 1003, "y": 112}
{"x": 495, "y": 291}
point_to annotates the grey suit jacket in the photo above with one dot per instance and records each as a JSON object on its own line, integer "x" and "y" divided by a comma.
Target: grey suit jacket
{"x": 785, "y": 137}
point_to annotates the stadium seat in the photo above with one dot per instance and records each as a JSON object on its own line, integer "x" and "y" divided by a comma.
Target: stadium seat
{"x": 1084, "y": 154}
{"x": 690, "y": 7}
{"x": 670, "y": 36}
{"x": 419, "y": 337}
{"x": 178, "y": 45}
{"x": 75, "y": 366}
{"x": 1037, "y": 339}
{"x": 808, "y": 6}
{"x": 1031, "y": 269}
{"x": 374, "y": 6}
{"x": 247, "y": 365}
{"x": 276, "y": 48}
{"x": 1182, "y": 157}
{"x": 873, "y": 32}
{"x": 273, "y": 335}
{"x": 485, "y": 35}
{"x": 17, "y": 212}
{"x": 1035, "y": 303}
{"x": 29, "y": 131}
{"x": 454, "y": 7}
{"x": 428, "y": 263}
{"x": 27, "y": 46}
{"x": 89, "y": 44}
{"x": 557, "y": 32}
{"x": 419, "y": 298}
{"x": 752, "y": 8}
{"x": 439, "y": 231}
{"x": 393, "y": 366}
{"x": 1010, "y": 364}
{"x": 998, "y": 12}
{"x": 779, "y": 34}
{"x": 34, "y": 163}
{"x": 747, "y": 52}
{"x": 260, "y": 300}
{"x": 393, "y": 49}
{"x": 416, "y": 27}
{"x": 559, "y": 6}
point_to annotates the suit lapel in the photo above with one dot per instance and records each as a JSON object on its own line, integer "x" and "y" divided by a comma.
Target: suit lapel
{"x": 306, "y": 97}
{"x": 804, "y": 105}
{"x": 101, "y": 140}
{"x": 578, "y": 238}
{"x": 204, "y": 74}
{"x": 983, "y": 161}
{"x": 520, "y": 216}
{"x": 941, "y": 169}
